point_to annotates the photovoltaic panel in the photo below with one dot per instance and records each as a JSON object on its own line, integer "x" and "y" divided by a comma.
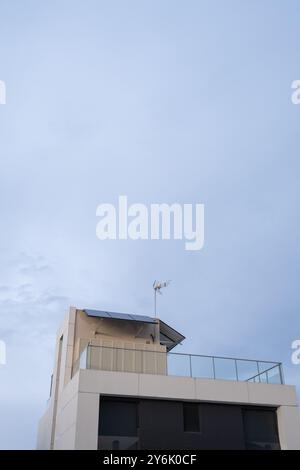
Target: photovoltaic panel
{"x": 96, "y": 313}
{"x": 119, "y": 316}
{"x": 143, "y": 318}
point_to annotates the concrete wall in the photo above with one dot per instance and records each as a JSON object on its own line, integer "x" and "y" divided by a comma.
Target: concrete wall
{"x": 45, "y": 429}
{"x": 87, "y": 421}
{"x": 289, "y": 427}
{"x": 172, "y": 387}
{"x": 61, "y": 376}
{"x": 94, "y": 383}
{"x": 66, "y": 418}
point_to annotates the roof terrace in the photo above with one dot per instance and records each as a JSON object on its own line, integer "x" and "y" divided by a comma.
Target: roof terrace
{"x": 179, "y": 364}
{"x": 119, "y": 342}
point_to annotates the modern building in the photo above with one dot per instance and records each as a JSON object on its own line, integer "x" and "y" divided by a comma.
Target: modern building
{"x": 118, "y": 384}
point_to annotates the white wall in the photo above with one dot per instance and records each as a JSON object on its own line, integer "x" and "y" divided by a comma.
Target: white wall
{"x": 289, "y": 427}
{"x": 93, "y": 383}
{"x": 45, "y": 429}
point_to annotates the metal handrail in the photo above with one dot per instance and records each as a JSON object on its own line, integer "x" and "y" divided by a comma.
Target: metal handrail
{"x": 266, "y": 372}
{"x": 85, "y": 355}
{"x": 187, "y": 354}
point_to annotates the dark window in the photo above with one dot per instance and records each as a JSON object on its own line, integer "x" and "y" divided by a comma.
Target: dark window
{"x": 118, "y": 417}
{"x": 191, "y": 417}
{"x": 140, "y": 423}
{"x": 260, "y": 428}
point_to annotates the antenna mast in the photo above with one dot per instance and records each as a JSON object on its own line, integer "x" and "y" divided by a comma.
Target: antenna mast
{"x": 157, "y": 286}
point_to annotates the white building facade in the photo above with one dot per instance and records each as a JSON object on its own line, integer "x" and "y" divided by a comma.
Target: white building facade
{"x": 117, "y": 385}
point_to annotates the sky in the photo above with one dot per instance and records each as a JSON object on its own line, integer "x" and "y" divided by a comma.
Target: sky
{"x": 162, "y": 101}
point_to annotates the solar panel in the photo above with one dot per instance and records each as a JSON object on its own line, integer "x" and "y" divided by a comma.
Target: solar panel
{"x": 118, "y": 316}
{"x": 96, "y": 313}
{"x": 143, "y": 318}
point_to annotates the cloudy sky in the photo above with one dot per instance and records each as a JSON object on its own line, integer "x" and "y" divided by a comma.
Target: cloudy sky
{"x": 162, "y": 101}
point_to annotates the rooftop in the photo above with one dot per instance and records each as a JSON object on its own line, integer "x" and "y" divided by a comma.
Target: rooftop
{"x": 123, "y": 342}
{"x": 168, "y": 335}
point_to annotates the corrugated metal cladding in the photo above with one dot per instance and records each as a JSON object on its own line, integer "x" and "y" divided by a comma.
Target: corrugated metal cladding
{"x": 119, "y": 316}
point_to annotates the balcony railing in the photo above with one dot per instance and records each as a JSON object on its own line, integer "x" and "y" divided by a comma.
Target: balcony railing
{"x": 179, "y": 364}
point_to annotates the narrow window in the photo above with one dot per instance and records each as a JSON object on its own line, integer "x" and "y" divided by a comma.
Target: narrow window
{"x": 191, "y": 417}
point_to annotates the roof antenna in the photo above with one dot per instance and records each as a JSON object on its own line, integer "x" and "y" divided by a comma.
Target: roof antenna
{"x": 157, "y": 286}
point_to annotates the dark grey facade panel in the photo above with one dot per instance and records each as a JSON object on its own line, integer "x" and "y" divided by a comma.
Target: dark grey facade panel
{"x": 168, "y": 424}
